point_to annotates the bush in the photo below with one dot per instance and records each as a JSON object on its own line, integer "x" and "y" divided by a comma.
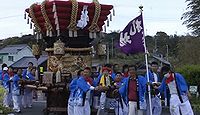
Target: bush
{"x": 2, "y": 91}
{"x": 191, "y": 74}
{"x": 3, "y": 110}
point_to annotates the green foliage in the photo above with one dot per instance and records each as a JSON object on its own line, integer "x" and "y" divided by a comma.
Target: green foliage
{"x": 191, "y": 16}
{"x": 26, "y": 39}
{"x": 195, "y": 102}
{"x": 3, "y": 110}
{"x": 189, "y": 51}
{"x": 2, "y": 91}
{"x": 191, "y": 73}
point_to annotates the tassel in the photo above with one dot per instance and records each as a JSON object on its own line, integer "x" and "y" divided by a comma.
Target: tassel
{"x": 31, "y": 25}
{"x": 104, "y": 28}
{"x": 40, "y": 35}
{"x": 55, "y": 15}
{"x": 58, "y": 32}
{"x": 110, "y": 17}
{"x": 57, "y": 27}
{"x": 54, "y": 7}
{"x": 113, "y": 12}
{"x": 47, "y": 33}
{"x": 75, "y": 33}
{"x": 90, "y": 35}
{"x": 94, "y": 35}
{"x": 70, "y": 33}
{"x": 108, "y": 22}
{"x": 28, "y": 20}
{"x": 25, "y": 15}
{"x": 50, "y": 33}
{"x": 33, "y": 32}
{"x": 56, "y": 21}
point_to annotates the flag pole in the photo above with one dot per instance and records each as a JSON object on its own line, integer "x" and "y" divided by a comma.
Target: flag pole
{"x": 147, "y": 68}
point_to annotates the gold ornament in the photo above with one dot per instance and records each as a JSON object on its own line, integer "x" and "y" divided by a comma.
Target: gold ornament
{"x": 36, "y": 50}
{"x": 59, "y": 48}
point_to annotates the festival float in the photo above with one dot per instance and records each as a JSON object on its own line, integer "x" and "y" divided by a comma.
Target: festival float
{"x": 68, "y": 28}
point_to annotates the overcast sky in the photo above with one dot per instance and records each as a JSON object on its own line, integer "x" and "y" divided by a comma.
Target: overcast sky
{"x": 159, "y": 15}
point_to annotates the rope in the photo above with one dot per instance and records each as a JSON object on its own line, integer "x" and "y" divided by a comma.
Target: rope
{"x": 72, "y": 25}
{"x": 94, "y": 26}
{"x": 47, "y": 21}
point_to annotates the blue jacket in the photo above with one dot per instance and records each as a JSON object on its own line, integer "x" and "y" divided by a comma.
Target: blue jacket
{"x": 73, "y": 87}
{"x": 6, "y": 81}
{"x": 181, "y": 83}
{"x": 0, "y": 74}
{"x": 25, "y": 73}
{"x": 15, "y": 85}
{"x": 82, "y": 88}
{"x": 28, "y": 76}
{"x": 123, "y": 90}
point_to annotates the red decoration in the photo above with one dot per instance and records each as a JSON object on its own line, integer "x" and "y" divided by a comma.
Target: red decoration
{"x": 64, "y": 9}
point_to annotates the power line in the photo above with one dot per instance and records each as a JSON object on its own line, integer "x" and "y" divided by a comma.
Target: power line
{"x": 7, "y": 17}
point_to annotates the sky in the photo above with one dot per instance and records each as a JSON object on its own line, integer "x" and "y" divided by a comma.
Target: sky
{"x": 159, "y": 15}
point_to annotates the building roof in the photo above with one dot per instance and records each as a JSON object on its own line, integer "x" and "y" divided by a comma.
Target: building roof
{"x": 23, "y": 62}
{"x": 161, "y": 60}
{"x": 13, "y": 48}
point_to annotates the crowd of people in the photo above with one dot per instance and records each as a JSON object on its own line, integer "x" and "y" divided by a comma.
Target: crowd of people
{"x": 16, "y": 95}
{"x": 124, "y": 92}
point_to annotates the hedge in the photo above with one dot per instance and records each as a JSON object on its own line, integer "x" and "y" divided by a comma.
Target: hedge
{"x": 191, "y": 73}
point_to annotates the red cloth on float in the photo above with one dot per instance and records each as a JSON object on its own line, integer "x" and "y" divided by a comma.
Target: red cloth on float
{"x": 63, "y": 9}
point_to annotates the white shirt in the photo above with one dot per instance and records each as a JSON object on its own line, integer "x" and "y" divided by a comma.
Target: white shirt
{"x": 155, "y": 77}
{"x": 172, "y": 87}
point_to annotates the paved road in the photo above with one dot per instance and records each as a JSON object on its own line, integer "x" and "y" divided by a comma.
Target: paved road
{"x": 38, "y": 107}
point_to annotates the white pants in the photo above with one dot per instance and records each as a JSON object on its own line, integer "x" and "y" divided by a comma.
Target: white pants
{"x": 175, "y": 105}
{"x": 7, "y": 98}
{"x": 82, "y": 110}
{"x": 155, "y": 104}
{"x": 27, "y": 98}
{"x": 133, "y": 110}
{"x": 16, "y": 102}
{"x": 119, "y": 110}
{"x": 70, "y": 106}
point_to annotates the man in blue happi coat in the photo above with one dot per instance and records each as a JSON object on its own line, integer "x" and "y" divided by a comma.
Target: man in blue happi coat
{"x": 133, "y": 91}
{"x": 73, "y": 88}
{"x": 174, "y": 84}
{"x": 85, "y": 85}
{"x": 16, "y": 94}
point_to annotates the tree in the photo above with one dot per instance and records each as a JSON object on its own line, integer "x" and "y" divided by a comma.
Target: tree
{"x": 161, "y": 40}
{"x": 192, "y": 16}
{"x": 189, "y": 51}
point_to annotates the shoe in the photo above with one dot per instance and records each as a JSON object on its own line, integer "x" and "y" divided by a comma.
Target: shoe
{"x": 30, "y": 106}
{"x": 17, "y": 111}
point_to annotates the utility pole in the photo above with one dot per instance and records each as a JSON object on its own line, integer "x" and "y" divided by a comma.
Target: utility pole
{"x": 155, "y": 45}
{"x": 167, "y": 52}
{"x": 112, "y": 48}
{"x": 108, "y": 53}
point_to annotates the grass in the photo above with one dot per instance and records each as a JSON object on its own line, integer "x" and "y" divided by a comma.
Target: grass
{"x": 195, "y": 103}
